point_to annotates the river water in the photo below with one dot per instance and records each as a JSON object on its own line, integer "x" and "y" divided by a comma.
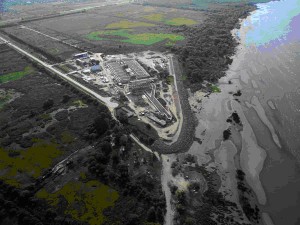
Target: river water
{"x": 266, "y": 69}
{"x": 270, "y": 80}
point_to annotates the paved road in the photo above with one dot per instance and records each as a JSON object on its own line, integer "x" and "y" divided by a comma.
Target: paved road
{"x": 176, "y": 98}
{"x": 105, "y": 100}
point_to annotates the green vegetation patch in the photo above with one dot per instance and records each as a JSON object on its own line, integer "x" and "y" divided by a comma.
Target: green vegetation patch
{"x": 129, "y": 37}
{"x": 5, "y": 97}
{"x": 31, "y": 161}
{"x": 85, "y": 201}
{"x": 215, "y": 89}
{"x": 15, "y": 75}
{"x": 126, "y": 24}
{"x": 180, "y": 21}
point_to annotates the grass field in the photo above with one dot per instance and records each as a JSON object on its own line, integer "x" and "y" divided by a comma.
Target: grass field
{"x": 140, "y": 39}
{"x": 30, "y": 162}
{"x": 15, "y": 75}
{"x": 85, "y": 201}
{"x": 125, "y": 24}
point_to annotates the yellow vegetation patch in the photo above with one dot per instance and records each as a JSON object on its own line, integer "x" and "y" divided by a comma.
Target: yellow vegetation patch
{"x": 29, "y": 162}
{"x": 149, "y": 9}
{"x": 157, "y": 17}
{"x": 181, "y": 21}
{"x": 79, "y": 103}
{"x": 86, "y": 201}
{"x": 126, "y": 24}
{"x": 66, "y": 137}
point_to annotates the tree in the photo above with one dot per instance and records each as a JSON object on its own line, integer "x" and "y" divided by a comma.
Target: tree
{"x": 102, "y": 158}
{"x": 106, "y": 148}
{"x": 123, "y": 140}
{"x": 180, "y": 196}
{"x": 122, "y": 117}
{"x": 66, "y": 98}
{"x": 159, "y": 215}
{"x": 48, "y": 104}
{"x": 100, "y": 125}
{"x": 115, "y": 158}
{"x": 226, "y": 134}
{"x": 151, "y": 216}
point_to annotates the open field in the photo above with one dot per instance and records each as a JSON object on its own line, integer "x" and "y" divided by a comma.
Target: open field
{"x": 37, "y": 8}
{"x": 83, "y": 29}
{"x": 52, "y": 49}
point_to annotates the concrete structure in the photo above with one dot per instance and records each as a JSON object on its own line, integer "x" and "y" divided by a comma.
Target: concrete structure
{"x": 136, "y": 68}
{"x": 86, "y": 71}
{"x": 159, "y": 106}
{"x": 117, "y": 71}
{"x": 81, "y": 62}
{"x": 136, "y": 86}
{"x": 156, "y": 120}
